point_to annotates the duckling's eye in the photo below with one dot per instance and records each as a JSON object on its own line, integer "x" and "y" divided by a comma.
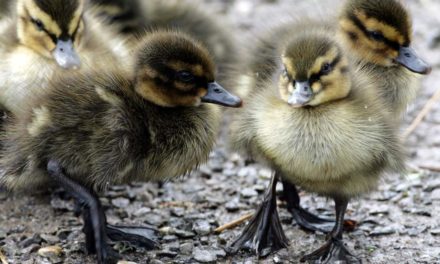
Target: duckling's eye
{"x": 185, "y": 76}
{"x": 376, "y": 35}
{"x": 38, "y": 24}
{"x": 326, "y": 68}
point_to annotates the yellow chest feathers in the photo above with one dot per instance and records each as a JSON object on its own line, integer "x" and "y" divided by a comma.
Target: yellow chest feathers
{"x": 332, "y": 143}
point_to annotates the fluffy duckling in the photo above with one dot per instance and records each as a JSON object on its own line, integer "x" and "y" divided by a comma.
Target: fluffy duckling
{"x": 260, "y": 69}
{"x": 319, "y": 124}
{"x": 134, "y": 18}
{"x": 95, "y": 129}
{"x": 45, "y": 36}
{"x": 380, "y": 35}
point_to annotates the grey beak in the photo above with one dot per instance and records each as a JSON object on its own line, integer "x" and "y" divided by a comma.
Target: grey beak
{"x": 410, "y": 60}
{"x": 302, "y": 95}
{"x": 218, "y": 95}
{"x": 65, "y": 55}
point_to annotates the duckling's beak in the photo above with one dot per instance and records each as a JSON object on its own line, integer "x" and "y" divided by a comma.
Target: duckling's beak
{"x": 65, "y": 55}
{"x": 302, "y": 95}
{"x": 409, "y": 59}
{"x": 218, "y": 95}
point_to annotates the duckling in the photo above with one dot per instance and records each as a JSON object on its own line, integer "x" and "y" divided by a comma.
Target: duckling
{"x": 260, "y": 69}
{"x": 134, "y": 18}
{"x": 318, "y": 122}
{"x": 379, "y": 34}
{"x": 45, "y": 36}
{"x": 106, "y": 127}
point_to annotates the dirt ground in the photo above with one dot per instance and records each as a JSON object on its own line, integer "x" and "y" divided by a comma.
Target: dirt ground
{"x": 397, "y": 224}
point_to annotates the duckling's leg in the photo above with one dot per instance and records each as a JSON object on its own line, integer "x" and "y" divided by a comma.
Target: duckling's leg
{"x": 334, "y": 250}
{"x": 93, "y": 214}
{"x": 264, "y": 233}
{"x": 305, "y": 219}
{"x": 302, "y": 217}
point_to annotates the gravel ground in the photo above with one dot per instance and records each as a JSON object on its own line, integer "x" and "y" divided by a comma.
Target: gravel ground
{"x": 397, "y": 224}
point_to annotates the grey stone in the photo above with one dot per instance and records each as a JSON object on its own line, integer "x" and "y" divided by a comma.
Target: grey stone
{"x": 121, "y": 202}
{"x": 186, "y": 248}
{"x": 204, "y": 256}
{"x": 435, "y": 232}
{"x": 50, "y": 239}
{"x": 435, "y": 195}
{"x": 383, "y": 231}
{"x": 201, "y": 227}
{"x": 248, "y": 193}
{"x": 142, "y": 211}
{"x": 232, "y": 206}
{"x": 435, "y": 184}
{"x": 154, "y": 219}
{"x": 179, "y": 211}
{"x": 184, "y": 234}
{"x": 35, "y": 239}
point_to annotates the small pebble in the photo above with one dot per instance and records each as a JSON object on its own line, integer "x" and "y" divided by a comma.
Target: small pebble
{"x": 202, "y": 227}
{"x": 121, "y": 202}
{"x": 248, "y": 193}
{"x": 154, "y": 219}
{"x": 383, "y": 231}
{"x": 126, "y": 262}
{"x": 50, "y": 239}
{"x": 30, "y": 249}
{"x": 435, "y": 195}
{"x": 169, "y": 238}
{"x": 433, "y": 185}
{"x": 232, "y": 206}
{"x": 142, "y": 211}
{"x": 204, "y": 256}
{"x": 435, "y": 232}
{"x": 179, "y": 212}
{"x": 184, "y": 234}
{"x": 186, "y": 248}
{"x": 35, "y": 239}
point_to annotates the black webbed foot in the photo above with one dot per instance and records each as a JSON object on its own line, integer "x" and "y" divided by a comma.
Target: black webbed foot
{"x": 304, "y": 218}
{"x": 311, "y": 222}
{"x": 137, "y": 236}
{"x": 333, "y": 251}
{"x": 264, "y": 233}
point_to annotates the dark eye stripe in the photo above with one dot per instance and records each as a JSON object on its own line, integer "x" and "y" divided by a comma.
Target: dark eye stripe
{"x": 393, "y": 44}
{"x": 316, "y": 76}
{"x": 199, "y": 81}
{"x": 51, "y": 35}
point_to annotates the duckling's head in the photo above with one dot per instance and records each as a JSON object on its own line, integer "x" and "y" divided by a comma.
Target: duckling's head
{"x": 53, "y": 28}
{"x": 380, "y": 32}
{"x": 315, "y": 71}
{"x": 173, "y": 70}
